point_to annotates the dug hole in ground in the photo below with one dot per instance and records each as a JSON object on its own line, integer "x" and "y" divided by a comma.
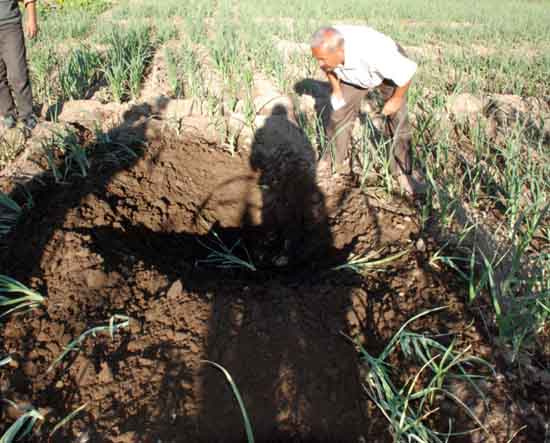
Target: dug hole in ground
{"x": 140, "y": 237}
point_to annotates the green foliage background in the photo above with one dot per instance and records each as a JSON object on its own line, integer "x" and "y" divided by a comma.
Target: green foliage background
{"x": 88, "y": 5}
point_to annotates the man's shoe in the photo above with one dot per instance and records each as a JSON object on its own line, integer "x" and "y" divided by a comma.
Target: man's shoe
{"x": 413, "y": 184}
{"x": 8, "y": 122}
{"x": 30, "y": 122}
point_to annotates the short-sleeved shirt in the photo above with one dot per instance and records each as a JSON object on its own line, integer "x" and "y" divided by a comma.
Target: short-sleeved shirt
{"x": 9, "y": 11}
{"x": 370, "y": 57}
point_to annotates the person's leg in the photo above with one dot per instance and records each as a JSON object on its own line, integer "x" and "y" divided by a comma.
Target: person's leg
{"x": 340, "y": 123}
{"x": 7, "y": 107}
{"x": 402, "y": 139}
{"x": 398, "y": 128}
{"x": 14, "y": 55}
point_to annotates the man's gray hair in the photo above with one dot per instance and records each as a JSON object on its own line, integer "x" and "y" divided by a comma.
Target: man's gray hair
{"x": 328, "y": 37}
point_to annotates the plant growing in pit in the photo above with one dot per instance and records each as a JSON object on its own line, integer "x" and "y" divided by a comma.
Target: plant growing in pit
{"x": 237, "y": 394}
{"x": 10, "y": 211}
{"x": 363, "y": 263}
{"x": 222, "y": 256}
{"x": 16, "y": 296}
{"x": 407, "y": 408}
{"x": 22, "y": 426}
{"x": 116, "y": 322}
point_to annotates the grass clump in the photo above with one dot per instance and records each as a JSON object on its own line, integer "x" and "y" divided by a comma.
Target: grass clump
{"x": 16, "y": 296}
{"x": 66, "y": 157}
{"x": 408, "y": 407}
{"x": 79, "y": 73}
{"x": 129, "y": 53}
{"x": 222, "y": 256}
{"x": 10, "y": 211}
{"x": 22, "y": 426}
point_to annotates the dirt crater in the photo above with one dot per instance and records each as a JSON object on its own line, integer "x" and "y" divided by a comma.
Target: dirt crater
{"x": 132, "y": 240}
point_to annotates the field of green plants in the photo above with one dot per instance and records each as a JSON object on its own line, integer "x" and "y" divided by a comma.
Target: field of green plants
{"x": 480, "y": 107}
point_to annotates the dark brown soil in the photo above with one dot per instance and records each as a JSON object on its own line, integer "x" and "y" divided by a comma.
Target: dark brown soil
{"x": 131, "y": 240}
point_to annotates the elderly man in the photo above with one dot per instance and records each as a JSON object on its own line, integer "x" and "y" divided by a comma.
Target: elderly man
{"x": 355, "y": 60}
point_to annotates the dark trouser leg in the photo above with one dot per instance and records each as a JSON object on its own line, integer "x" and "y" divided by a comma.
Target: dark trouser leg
{"x": 399, "y": 129}
{"x": 7, "y": 107}
{"x": 340, "y": 122}
{"x": 14, "y": 68}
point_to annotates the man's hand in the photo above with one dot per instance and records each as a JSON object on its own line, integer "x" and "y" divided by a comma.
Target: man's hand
{"x": 392, "y": 105}
{"x": 397, "y": 99}
{"x": 337, "y": 101}
{"x": 32, "y": 27}
{"x": 336, "y": 96}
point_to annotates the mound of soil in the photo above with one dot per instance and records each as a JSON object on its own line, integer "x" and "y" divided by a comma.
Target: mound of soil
{"x": 138, "y": 240}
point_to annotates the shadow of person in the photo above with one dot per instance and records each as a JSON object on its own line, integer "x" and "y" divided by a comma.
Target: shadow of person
{"x": 293, "y": 214}
{"x": 280, "y": 339}
{"x": 320, "y": 92}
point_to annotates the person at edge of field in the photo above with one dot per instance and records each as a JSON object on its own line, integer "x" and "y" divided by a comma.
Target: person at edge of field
{"x": 14, "y": 73}
{"x": 355, "y": 60}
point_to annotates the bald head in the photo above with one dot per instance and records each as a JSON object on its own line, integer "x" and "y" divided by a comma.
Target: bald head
{"x": 327, "y": 39}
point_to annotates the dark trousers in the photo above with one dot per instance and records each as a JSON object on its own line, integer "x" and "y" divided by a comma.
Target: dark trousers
{"x": 14, "y": 73}
{"x": 340, "y": 125}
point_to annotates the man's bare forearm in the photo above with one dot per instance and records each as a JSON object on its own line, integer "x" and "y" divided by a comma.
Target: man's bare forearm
{"x": 31, "y": 10}
{"x": 394, "y": 103}
{"x": 334, "y": 83}
{"x": 401, "y": 91}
